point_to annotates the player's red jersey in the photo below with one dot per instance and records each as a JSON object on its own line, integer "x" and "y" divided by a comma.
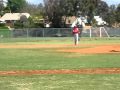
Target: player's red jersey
{"x": 75, "y": 30}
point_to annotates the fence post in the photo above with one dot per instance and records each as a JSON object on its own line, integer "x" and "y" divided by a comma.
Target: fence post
{"x": 11, "y": 33}
{"x": 100, "y": 32}
{"x": 27, "y": 33}
{"x": 104, "y": 31}
{"x": 90, "y": 32}
{"x": 43, "y": 32}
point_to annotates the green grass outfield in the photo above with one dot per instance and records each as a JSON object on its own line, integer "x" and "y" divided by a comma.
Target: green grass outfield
{"x": 50, "y": 59}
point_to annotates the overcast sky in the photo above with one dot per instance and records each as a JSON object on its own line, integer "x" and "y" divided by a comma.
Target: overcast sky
{"x": 35, "y": 1}
{"x": 109, "y": 2}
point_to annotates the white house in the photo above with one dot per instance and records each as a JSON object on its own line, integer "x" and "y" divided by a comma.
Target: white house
{"x": 79, "y": 22}
{"x": 99, "y": 20}
{"x": 14, "y": 16}
{"x": 10, "y": 18}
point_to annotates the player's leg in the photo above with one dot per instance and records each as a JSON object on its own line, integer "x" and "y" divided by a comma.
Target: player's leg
{"x": 77, "y": 39}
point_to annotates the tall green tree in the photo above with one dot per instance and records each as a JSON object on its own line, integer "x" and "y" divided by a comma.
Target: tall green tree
{"x": 55, "y": 9}
{"x": 102, "y": 9}
{"x": 36, "y": 12}
{"x": 16, "y": 5}
{"x": 118, "y": 14}
{"x": 111, "y": 15}
{"x": 1, "y": 7}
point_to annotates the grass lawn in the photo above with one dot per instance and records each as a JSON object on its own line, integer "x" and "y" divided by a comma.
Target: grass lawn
{"x": 50, "y": 59}
{"x": 59, "y": 40}
{"x": 60, "y": 82}
{"x": 32, "y": 59}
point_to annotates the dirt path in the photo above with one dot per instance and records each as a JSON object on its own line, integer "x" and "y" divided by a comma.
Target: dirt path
{"x": 20, "y": 46}
{"x": 81, "y": 71}
{"x": 93, "y": 49}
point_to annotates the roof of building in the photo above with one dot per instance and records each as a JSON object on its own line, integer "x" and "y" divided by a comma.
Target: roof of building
{"x": 70, "y": 20}
{"x": 14, "y": 16}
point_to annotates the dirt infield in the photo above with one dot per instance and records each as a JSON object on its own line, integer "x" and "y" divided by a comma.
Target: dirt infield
{"x": 81, "y": 71}
{"x": 90, "y": 49}
{"x": 95, "y": 49}
{"x": 20, "y": 46}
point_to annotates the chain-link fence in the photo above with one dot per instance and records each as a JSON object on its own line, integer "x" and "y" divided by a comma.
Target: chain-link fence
{"x": 60, "y": 32}
{"x": 5, "y": 33}
{"x": 42, "y": 32}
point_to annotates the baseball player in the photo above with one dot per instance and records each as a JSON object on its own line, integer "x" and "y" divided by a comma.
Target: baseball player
{"x": 75, "y": 33}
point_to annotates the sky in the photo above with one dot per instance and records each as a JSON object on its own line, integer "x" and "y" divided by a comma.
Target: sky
{"x": 35, "y": 1}
{"x": 109, "y": 2}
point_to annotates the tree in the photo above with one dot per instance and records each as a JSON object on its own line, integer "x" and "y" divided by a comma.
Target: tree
{"x": 1, "y": 7}
{"x": 52, "y": 11}
{"x": 111, "y": 15}
{"x": 36, "y": 12}
{"x": 55, "y": 9}
{"x": 16, "y": 5}
{"x": 118, "y": 14}
{"x": 102, "y": 9}
{"x": 34, "y": 9}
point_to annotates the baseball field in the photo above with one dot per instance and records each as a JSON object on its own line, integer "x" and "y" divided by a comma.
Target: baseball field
{"x": 56, "y": 64}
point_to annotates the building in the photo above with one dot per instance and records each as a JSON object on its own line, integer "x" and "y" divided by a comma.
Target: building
{"x": 100, "y": 21}
{"x": 10, "y": 18}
